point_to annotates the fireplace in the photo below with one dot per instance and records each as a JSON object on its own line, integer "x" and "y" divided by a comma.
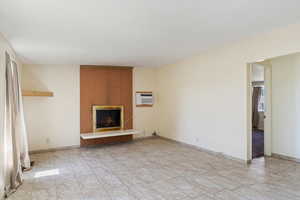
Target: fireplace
{"x": 107, "y": 118}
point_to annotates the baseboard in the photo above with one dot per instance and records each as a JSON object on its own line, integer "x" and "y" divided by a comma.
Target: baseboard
{"x": 54, "y": 149}
{"x": 248, "y": 162}
{"x": 74, "y": 147}
{"x": 206, "y": 150}
{"x": 289, "y": 158}
{"x": 142, "y": 137}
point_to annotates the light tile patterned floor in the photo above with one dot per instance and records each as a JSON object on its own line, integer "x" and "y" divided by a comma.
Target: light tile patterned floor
{"x": 155, "y": 169}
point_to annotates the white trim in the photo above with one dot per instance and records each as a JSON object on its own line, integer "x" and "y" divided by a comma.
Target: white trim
{"x": 249, "y": 111}
{"x": 54, "y": 149}
{"x": 206, "y": 150}
{"x": 283, "y": 157}
{"x": 268, "y": 109}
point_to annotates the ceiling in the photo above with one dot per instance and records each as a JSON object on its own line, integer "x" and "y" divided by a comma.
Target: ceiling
{"x": 134, "y": 32}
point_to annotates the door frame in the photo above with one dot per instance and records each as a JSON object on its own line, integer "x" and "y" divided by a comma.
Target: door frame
{"x": 268, "y": 109}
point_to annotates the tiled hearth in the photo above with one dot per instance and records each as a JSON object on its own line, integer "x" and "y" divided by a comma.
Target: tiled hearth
{"x": 155, "y": 169}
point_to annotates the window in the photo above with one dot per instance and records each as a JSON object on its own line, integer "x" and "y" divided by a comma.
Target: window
{"x": 261, "y": 103}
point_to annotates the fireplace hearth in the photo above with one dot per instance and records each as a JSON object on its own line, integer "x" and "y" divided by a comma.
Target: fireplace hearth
{"x": 107, "y": 118}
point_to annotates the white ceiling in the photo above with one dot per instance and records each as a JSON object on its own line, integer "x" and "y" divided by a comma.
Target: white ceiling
{"x": 134, "y": 32}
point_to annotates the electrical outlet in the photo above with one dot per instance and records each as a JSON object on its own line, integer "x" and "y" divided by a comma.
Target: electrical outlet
{"x": 48, "y": 140}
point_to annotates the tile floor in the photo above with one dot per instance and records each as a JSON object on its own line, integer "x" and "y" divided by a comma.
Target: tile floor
{"x": 155, "y": 169}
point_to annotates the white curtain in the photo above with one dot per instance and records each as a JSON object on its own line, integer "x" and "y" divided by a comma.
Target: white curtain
{"x": 15, "y": 136}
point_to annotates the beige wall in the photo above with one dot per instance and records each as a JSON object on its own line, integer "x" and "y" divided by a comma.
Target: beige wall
{"x": 52, "y": 121}
{"x": 203, "y": 100}
{"x": 4, "y": 47}
{"x": 285, "y": 105}
{"x": 144, "y": 79}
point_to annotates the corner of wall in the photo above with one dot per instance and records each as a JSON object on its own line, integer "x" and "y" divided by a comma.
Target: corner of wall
{"x": 144, "y": 79}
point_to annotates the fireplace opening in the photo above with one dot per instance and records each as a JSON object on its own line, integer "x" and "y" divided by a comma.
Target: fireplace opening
{"x": 107, "y": 118}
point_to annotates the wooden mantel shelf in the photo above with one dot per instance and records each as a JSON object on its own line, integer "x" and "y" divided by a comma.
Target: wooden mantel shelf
{"x": 31, "y": 93}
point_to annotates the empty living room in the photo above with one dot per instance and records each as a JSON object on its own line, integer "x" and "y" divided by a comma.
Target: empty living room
{"x": 149, "y": 100}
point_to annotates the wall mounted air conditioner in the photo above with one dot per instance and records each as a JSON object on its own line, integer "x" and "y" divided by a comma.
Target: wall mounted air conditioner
{"x": 144, "y": 99}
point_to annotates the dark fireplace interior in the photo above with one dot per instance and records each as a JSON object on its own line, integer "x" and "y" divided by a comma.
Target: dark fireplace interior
{"x": 108, "y": 118}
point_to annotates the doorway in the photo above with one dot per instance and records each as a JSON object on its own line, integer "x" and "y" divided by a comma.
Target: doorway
{"x": 258, "y": 110}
